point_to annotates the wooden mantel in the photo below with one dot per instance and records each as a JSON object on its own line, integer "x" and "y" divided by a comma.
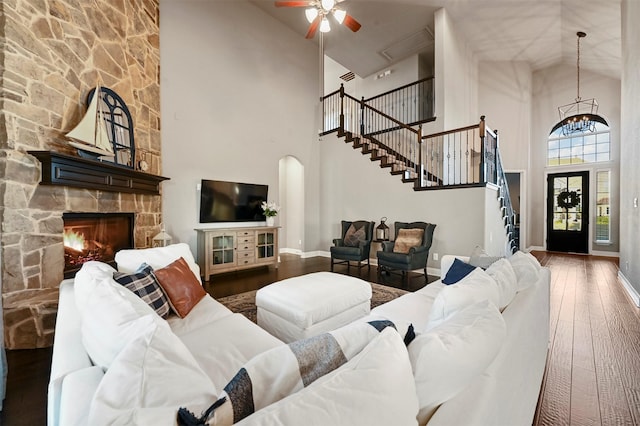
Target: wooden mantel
{"x": 68, "y": 170}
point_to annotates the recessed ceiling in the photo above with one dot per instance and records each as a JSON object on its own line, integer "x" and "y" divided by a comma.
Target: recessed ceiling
{"x": 540, "y": 32}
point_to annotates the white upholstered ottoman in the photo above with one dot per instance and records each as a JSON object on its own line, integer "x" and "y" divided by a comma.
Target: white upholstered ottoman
{"x": 305, "y": 306}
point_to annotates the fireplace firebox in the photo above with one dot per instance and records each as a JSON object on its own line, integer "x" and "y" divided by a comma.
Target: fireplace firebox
{"x": 94, "y": 236}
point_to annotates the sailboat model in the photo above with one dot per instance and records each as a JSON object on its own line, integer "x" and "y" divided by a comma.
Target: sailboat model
{"x": 90, "y": 134}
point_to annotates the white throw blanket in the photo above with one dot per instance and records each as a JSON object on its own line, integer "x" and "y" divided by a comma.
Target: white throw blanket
{"x": 282, "y": 371}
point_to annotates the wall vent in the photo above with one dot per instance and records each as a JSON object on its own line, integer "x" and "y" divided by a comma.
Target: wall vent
{"x": 348, "y": 76}
{"x": 411, "y": 44}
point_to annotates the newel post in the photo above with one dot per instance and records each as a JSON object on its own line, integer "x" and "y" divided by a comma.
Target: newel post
{"x": 482, "y": 130}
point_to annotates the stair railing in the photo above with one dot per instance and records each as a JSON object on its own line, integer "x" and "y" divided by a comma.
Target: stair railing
{"x": 411, "y": 104}
{"x": 392, "y": 142}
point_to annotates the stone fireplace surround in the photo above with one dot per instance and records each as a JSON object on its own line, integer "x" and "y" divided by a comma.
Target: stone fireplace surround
{"x": 52, "y": 53}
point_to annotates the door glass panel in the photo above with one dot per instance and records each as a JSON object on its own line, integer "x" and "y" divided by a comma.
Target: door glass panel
{"x": 567, "y": 204}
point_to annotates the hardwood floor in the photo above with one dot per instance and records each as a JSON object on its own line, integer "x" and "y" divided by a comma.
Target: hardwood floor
{"x": 593, "y": 368}
{"x": 593, "y": 365}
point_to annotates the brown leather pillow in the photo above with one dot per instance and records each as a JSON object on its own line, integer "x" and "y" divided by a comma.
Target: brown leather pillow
{"x": 180, "y": 285}
{"x": 408, "y": 238}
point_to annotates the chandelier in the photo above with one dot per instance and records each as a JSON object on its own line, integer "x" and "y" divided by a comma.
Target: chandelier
{"x": 581, "y": 115}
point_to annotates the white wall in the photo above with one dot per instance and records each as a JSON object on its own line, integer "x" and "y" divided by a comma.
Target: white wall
{"x": 552, "y": 87}
{"x": 495, "y": 236}
{"x": 354, "y": 188}
{"x": 505, "y": 99}
{"x": 630, "y": 146}
{"x": 456, "y": 77}
{"x": 239, "y": 92}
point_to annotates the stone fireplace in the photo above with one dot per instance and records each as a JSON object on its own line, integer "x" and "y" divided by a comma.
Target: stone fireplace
{"x": 52, "y": 53}
{"x": 94, "y": 236}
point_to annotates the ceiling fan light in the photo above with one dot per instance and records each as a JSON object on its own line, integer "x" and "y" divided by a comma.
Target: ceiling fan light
{"x": 339, "y": 15}
{"x": 324, "y": 25}
{"x": 311, "y": 14}
{"x": 328, "y": 4}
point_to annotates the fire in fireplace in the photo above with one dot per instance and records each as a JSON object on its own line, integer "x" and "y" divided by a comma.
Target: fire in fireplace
{"x": 94, "y": 236}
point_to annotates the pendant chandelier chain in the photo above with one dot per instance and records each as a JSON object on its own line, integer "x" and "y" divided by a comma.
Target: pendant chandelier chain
{"x": 578, "y": 67}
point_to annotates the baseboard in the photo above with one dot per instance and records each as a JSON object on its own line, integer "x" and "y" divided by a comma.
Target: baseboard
{"x": 291, "y": 251}
{"x": 605, "y": 253}
{"x": 536, "y": 248}
{"x": 633, "y": 293}
{"x": 320, "y": 253}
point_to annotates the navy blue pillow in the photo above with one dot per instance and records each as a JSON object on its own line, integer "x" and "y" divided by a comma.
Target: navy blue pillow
{"x": 458, "y": 271}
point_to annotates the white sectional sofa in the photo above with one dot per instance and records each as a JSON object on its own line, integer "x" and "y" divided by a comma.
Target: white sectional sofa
{"x": 469, "y": 365}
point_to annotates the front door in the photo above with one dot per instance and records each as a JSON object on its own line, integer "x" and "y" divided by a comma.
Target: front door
{"x": 568, "y": 212}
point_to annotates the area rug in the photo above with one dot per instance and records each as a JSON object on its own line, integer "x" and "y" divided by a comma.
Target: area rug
{"x": 245, "y": 303}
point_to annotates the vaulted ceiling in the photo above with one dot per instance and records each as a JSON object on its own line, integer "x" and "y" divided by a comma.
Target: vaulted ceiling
{"x": 540, "y": 32}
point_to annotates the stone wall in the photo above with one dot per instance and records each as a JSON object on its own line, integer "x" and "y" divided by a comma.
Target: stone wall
{"x": 52, "y": 52}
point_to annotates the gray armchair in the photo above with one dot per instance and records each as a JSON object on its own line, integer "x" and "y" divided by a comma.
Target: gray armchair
{"x": 417, "y": 256}
{"x": 353, "y": 246}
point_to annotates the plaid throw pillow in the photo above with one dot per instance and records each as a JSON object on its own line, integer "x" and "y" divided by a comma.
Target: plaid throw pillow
{"x": 144, "y": 284}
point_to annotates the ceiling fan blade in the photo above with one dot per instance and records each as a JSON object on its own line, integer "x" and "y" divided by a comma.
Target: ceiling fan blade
{"x": 292, "y": 3}
{"x": 351, "y": 23}
{"x": 313, "y": 27}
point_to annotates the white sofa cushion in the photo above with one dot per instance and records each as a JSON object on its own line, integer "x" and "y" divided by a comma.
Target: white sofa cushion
{"x": 412, "y": 308}
{"x": 448, "y": 357}
{"x": 77, "y": 391}
{"x": 505, "y": 277}
{"x": 223, "y": 346}
{"x": 149, "y": 380}
{"x": 475, "y": 287}
{"x": 376, "y": 387}
{"x": 157, "y": 257}
{"x": 526, "y": 268}
{"x": 111, "y": 315}
{"x": 277, "y": 373}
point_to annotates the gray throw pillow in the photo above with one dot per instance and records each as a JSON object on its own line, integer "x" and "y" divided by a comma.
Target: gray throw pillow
{"x": 353, "y": 236}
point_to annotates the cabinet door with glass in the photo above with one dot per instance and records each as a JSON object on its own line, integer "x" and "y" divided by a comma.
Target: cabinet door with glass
{"x": 222, "y": 249}
{"x": 266, "y": 245}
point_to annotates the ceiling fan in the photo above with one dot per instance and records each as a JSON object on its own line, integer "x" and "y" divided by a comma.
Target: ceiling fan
{"x": 317, "y": 12}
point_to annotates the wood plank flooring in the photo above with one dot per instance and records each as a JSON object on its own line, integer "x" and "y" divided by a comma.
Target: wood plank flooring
{"x": 593, "y": 367}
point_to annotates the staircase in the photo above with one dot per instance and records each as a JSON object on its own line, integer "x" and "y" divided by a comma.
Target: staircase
{"x": 460, "y": 158}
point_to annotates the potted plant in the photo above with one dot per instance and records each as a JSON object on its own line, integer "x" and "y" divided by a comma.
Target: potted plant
{"x": 270, "y": 211}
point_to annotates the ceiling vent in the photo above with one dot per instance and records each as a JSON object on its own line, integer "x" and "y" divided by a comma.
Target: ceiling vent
{"x": 348, "y": 76}
{"x": 411, "y": 44}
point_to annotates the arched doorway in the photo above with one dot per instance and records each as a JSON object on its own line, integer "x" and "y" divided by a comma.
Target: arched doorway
{"x": 291, "y": 178}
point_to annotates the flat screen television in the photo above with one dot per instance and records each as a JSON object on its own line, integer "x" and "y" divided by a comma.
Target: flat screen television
{"x": 222, "y": 201}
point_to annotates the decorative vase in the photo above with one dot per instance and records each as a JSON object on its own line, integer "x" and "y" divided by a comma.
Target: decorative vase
{"x": 271, "y": 220}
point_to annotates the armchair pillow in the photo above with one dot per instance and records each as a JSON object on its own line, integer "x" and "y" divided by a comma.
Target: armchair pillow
{"x": 182, "y": 287}
{"x": 353, "y": 236}
{"x": 407, "y": 238}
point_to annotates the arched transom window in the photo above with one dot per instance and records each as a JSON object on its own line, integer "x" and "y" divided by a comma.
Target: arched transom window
{"x": 579, "y": 147}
